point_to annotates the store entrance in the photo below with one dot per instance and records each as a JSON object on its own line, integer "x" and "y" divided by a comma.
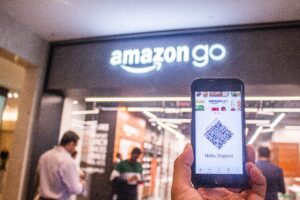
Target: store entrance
{"x": 160, "y": 126}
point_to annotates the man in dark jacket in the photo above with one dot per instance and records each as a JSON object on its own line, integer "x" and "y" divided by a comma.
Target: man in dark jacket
{"x": 273, "y": 174}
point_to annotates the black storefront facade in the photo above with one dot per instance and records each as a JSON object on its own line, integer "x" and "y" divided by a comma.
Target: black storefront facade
{"x": 265, "y": 57}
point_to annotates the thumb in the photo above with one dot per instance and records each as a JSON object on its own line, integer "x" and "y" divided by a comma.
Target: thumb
{"x": 258, "y": 181}
{"x": 182, "y": 166}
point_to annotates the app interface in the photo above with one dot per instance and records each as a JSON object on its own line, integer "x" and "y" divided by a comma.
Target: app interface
{"x": 218, "y": 120}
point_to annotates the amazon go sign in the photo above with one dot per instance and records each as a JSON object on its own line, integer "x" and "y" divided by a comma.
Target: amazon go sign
{"x": 141, "y": 61}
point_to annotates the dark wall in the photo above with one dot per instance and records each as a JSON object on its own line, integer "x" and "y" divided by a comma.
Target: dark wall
{"x": 257, "y": 56}
{"x": 46, "y": 134}
{"x": 100, "y": 186}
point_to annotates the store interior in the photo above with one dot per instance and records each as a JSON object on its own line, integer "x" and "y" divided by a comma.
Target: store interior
{"x": 161, "y": 127}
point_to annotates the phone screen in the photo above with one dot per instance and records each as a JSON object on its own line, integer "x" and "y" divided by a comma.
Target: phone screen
{"x": 218, "y": 132}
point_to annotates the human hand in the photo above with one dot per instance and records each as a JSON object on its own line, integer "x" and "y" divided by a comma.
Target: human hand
{"x": 132, "y": 179}
{"x": 183, "y": 190}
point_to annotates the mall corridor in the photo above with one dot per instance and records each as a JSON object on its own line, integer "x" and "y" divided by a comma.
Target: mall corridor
{"x": 117, "y": 77}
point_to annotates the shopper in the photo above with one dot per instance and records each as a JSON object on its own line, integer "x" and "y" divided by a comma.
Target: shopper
{"x": 127, "y": 175}
{"x": 183, "y": 190}
{"x": 119, "y": 158}
{"x": 4, "y": 155}
{"x": 58, "y": 174}
{"x": 114, "y": 185}
{"x": 273, "y": 174}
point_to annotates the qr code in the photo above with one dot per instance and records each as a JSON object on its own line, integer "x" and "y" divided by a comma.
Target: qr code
{"x": 218, "y": 134}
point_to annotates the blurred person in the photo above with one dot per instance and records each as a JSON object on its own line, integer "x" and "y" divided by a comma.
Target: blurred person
{"x": 182, "y": 188}
{"x": 4, "y": 155}
{"x": 114, "y": 192}
{"x": 81, "y": 173}
{"x": 57, "y": 170}
{"x": 273, "y": 174}
{"x": 127, "y": 175}
{"x": 119, "y": 158}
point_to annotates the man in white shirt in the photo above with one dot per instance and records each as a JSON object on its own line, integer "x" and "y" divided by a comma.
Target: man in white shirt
{"x": 58, "y": 174}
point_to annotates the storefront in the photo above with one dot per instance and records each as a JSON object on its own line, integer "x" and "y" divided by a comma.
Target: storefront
{"x": 107, "y": 88}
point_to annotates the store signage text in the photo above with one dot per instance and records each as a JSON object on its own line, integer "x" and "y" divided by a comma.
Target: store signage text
{"x": 141, "y": 61}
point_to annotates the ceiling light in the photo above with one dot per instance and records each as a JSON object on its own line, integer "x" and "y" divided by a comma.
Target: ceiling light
{"x": 274, "y": 98}
{"x": 184, "y": 98}
{"x": 258, "y": 122}
{"x": 281, "y": 109}
{"x": 150, "y": 115}
{"x": 292, "y": 127}
{"x": 10, "y": 95}
{"x": 174, "y": 121}
{"x": 172, "y": 125}
{"x": 162, "y": 125}
{"x": 142, "y": 109}
{"x": 75, "y": 102}
{"x": 135, "y": 99}
{"x": 251, "y": 110}
{"x": 255, "y": 135}
{"x": 277, "y": 120}
{"x": 16, "y": 95}
{"x": 267, "y": 130}
{"x": 113, "y": 108}
{"x": 246, "y": 131}
{"x": 92, "y": 122}
{"x": 85, "y": 112}
{"x": 171, "y": 130}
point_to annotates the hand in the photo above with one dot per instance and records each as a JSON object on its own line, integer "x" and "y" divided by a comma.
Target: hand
{"x": 183, "y": 190}
{"x": 132, "y": 179}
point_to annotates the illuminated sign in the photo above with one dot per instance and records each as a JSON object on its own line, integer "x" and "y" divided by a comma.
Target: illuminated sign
{"x": 152, "y": 59}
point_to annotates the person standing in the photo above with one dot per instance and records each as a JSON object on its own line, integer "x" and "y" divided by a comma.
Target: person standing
{"x": 4, "y": 155}
{"x": 127, "y": 175}
{"x": 273, "y": 174}
{"x": 58, "y": 174}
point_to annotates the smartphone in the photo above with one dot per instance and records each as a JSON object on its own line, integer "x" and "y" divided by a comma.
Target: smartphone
{"x": 218, "y": 133}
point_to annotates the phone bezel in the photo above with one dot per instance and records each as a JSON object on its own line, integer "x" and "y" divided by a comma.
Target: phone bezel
{"x": 219, "y": 180}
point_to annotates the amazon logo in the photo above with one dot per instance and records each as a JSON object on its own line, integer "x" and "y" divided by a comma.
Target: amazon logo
{"x": 152, "y": 59}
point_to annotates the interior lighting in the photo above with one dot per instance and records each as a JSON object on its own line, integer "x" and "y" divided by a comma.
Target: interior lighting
{"x": 267, "y": 130}
{"x": 75, "y": 102}
{"x": 259, "y": 122}
{"x": 255, "y": 135}
{"x": 171, "y": 130}
{"x": 153, "y": 124}
{"x": 251, "y": 110}
{"x": 161, "y": 124}
{"x": 277, "y": 120}
{"x": 92, "y": 122}
{"x": 172, "y": 125}
{"x": 135, "y": 99}
{"x": 174, "y": 121}
{"x": 292, "y": 127}
{"x": 246, "y": 131}
{"x": 184, "y": 98}
{"x": 274, "y": 98}
{"x": 16, "y": 95}
{"x": 142, "y": 109}
{"x": 85, "y": 112}
{"x": 113, "y": 108}
{"x": 10, "y": 95}
{"x": 288, "y": 110}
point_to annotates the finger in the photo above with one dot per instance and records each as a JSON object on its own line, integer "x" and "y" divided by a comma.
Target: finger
{"x": 182, "y": 166}
{"x": 258, "y": 181}
{"x": 218, "y": 193}
{"x": 250, "y": 153}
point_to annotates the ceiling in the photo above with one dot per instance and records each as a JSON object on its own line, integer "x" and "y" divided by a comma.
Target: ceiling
{"x": 254, "y": 119}
{"x": 69, "y": 19}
